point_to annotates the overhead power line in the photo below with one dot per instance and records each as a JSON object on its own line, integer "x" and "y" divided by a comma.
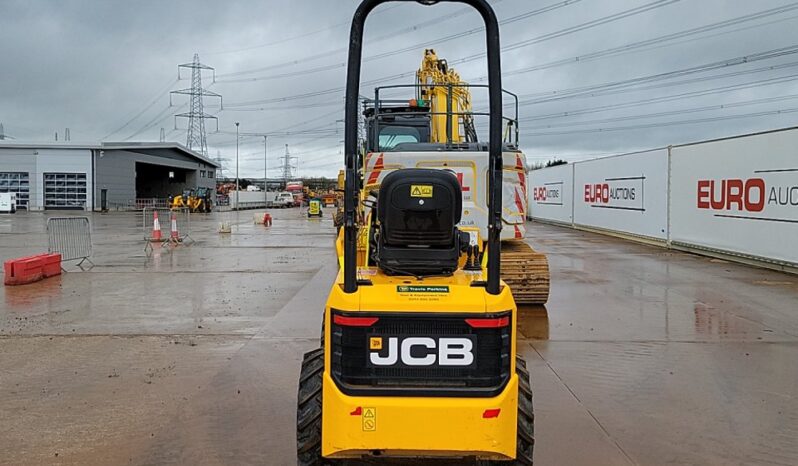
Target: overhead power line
{"x": 654, "y": 41}
{"x": 599, "y": 54}
{"x": 667, "y": 123}
{"x": 275, "y": 108}
{"x": 157, "y": 97}
{"x": 155, "y": 121}
{"x": 299, "y": 36}
{"x": 705, "y": 108}
{"x": 318, "y": 93}
{"x": 598, "y": 92}
{"x": 437, "y": 21}
{"x": 578, "y": 59}
{"x": 298, "y": 133}
{"x": 670, "y": 98}
{"x": 526, "y": 15}
{"x": 593, "y": 23}
{"x": 324, "y": 116}
{"x": 605, "y": 88}
{"x": 754, "y": 57}
{"x": 439, "y": 40}
{"x": 579, "y": 27}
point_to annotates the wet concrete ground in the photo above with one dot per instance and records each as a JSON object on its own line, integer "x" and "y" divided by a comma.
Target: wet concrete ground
{"x": 643, "y": 356}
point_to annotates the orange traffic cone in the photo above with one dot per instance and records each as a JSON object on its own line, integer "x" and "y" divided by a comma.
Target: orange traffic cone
{"x": 156, "y": 227}
{"x": 173, "y": 234}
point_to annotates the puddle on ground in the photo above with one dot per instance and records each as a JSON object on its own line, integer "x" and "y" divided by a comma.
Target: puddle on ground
{"x": 533, "y": 322}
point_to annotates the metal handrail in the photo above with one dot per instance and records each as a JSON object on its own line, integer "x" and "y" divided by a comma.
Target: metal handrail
{"x": 377, "y": 105}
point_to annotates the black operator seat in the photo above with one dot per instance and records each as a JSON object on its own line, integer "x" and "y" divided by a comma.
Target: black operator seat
{"x": 418, "y": 211}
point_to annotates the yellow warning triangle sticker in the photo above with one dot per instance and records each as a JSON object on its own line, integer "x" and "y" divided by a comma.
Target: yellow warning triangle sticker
{"x": 368, "y": 412}
{"x": 416, "y": 191}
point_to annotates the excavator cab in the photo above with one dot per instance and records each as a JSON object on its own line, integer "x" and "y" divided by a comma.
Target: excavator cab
{"x": 389, "y": 125}
{"x": 418, "y": 351}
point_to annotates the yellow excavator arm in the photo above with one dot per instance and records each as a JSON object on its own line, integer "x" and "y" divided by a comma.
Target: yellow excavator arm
{"x": 436, "y": 81}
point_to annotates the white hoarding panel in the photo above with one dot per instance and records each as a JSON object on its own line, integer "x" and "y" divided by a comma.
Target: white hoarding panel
{"x": 626, "y": 193}
{"x": 738, "y": 195}
{"x": 550, "y": 193}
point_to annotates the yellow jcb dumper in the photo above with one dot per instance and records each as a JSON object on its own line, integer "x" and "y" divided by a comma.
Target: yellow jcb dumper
{"x": 314, "y": 208}
{"x": 418, "y": 349}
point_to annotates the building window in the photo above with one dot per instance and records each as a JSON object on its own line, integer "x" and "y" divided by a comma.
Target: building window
{"x": 202, "y": 173}
{"x": 210, "y": 173}
{"x": 64, "y": 190}
{"x": 18, "y": 183}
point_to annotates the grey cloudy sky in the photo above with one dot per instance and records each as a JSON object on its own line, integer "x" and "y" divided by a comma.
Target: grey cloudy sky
{"x": 594, "y": 77}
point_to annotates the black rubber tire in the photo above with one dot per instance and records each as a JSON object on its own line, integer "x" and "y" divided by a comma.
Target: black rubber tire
{"x": 308, "y": 413}
{"x": 525, "y": 439}
{"x": 525, "y": 445}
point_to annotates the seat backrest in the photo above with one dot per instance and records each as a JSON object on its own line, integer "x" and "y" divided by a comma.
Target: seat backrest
{"x": 419, "y": 207}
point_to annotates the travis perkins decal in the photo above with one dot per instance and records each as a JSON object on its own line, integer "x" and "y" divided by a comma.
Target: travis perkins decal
{"x": 627, "y": 193}
{"x": 770, "y": 195}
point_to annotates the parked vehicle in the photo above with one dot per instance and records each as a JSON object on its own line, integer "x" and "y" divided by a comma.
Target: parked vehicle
{"x": 284, "y": 199}
{"x": 8, "y": 203}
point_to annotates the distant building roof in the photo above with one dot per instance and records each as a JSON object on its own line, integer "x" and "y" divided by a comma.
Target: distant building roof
{"x": 110, "y": 145}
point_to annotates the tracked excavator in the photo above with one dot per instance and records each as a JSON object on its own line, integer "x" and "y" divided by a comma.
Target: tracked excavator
{"x": 437, "y": 129}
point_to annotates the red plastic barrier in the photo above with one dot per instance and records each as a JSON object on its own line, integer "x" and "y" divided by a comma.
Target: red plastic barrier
{"x": 51, "y": 265}
{"x": 31, "y": 269}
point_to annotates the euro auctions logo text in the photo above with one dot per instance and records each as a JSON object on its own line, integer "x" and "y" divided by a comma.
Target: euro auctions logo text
{"x": 542, "y": 193}
{"x": 548, "y": 194}
{"x": 744, "y": 195}
{"x": 604, "y": 193}
{"x": 621, "y": 193}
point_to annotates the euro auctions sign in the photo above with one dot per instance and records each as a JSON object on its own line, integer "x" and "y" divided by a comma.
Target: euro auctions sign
{"x": 549, "y": 193}
{"x": 738, "y": 195}
{"x": 773, "y": 190}
{"x": 625, "y": 193}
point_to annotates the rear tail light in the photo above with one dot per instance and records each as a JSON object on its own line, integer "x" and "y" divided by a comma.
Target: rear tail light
{"x": 348, "y": 321}
{"x": 497, "y": 322}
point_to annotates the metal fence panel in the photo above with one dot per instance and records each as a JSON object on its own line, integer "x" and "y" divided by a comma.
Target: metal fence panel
{"x": 69, "y": 236}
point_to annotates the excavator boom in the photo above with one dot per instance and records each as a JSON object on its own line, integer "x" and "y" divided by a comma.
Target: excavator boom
{"x": 437, "y": 82}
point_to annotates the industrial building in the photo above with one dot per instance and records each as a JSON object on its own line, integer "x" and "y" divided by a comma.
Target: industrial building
{"x": 102, "y": 175}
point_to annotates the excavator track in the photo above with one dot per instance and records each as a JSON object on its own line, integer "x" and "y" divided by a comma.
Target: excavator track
{"x": 526, "y": 272}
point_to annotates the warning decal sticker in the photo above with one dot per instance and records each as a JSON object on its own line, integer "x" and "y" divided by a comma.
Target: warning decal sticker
{"x": 421, "y": 190}
{"x": 369, "y": 419}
